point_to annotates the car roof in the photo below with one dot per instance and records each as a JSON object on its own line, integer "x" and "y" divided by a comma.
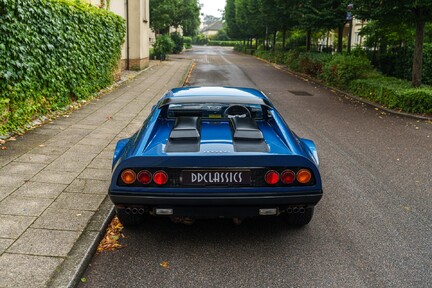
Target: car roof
{"x": 215, "y": 94}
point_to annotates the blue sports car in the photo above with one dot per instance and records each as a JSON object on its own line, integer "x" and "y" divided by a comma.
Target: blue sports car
{"x": 215, "y": 152}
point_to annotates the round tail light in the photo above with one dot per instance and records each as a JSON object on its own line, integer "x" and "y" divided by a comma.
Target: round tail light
{"x": 160, "y": 177}
{"x": 144, "y": 177}
{"x": 271, "y": 177}
{"x": 288, "y": 177}
{"x": 304, "y": 176}
{"x": 128, "y": 176}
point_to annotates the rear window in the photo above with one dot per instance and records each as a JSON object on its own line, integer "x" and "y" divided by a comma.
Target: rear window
{"x": 209, "y": 110}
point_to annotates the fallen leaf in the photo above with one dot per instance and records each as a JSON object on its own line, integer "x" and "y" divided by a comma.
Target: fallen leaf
{"x": 3, "y": 148}
{"x": 165, "y": 264}
{"x": 12, "y": 139}
{"x": 407, "y": 208}
{"x": 2, "y": 141}
{"x": 113, "y": 233}
{"x": 109, "y": 118}
{"x": 83, "y": 280}
{"x": 42, "y": 145}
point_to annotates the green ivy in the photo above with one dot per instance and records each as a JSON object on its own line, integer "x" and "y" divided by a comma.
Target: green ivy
{"x": 53, "y": 52}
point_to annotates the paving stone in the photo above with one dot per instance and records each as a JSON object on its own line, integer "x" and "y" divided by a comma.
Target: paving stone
{"x": 13, "y": 181}
{"x": 63, "y": 219}
{"x": 96, "y": 174}
{"x": 40, "y": 190}
{"x": 55, "y": 176}
{"x": 100, "y": 142}
{"x": 49, "y": 150}
{"x": 36, "y": 158}
{"x": 99, "y": 163}
{"x": 78, "y": 201}
{"x": 14, "y": 226}
{"x": 6, "y": 191}
{"x": 44, "y": 242}
{"x": 26, "y": 270}
{"x": 21, "y": 168}
{"x": 13, "y": 205}
{"x": 64, "y": 164}
{"x": 88, "y": 186}
{"x": 4, "y": 244}
{"x": 79, "y": 149}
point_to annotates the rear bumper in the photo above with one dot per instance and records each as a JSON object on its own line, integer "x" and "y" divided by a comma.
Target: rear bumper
{"x": 215, "y": 206}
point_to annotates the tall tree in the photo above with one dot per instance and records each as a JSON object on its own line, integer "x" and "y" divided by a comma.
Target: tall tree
{"x": 416, "y": 13}
{"x": 175, "y": 13}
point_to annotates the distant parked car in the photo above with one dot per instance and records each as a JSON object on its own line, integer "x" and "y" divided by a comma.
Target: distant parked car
{"x": 215, "y": 152}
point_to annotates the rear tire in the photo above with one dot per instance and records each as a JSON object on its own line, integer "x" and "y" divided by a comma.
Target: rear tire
{"x": 129, "y": 220}
{"x": 298, "y": 219}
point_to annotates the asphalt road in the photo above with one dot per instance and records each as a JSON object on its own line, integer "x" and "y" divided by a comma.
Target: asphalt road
{"x": 371, "y": 229}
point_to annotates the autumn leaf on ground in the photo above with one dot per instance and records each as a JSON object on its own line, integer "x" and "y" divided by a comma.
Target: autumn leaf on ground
{"x": 3, "y": 147}
{"x": 2, "y": 141}
{"x": 165, "y": 264}
{"x": 112, "y": 235}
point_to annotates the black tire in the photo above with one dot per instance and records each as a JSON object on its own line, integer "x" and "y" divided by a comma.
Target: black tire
{"x": 298, "y": 219}
{"x": 129, "y": 220}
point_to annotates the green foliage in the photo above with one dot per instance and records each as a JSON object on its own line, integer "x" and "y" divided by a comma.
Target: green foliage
{"x": 53, "y": 52}
{"x": 222, "y": 43}
{"x": 394, "y": 93}
{"x": 178, "y": 42}
{"x": 341, "y": 69}
{"x": 163, "y": 46}
{"x": 175, "y": 13}
{"x": 200, "y": 39}
{"x": 187, "y": 42}
{"x": 397, "y": 62}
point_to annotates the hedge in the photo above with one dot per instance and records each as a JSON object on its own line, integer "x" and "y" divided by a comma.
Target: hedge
{"x": 222, "y": 43}
{"x": 394, "y": 93}
{"x": 53, "y": 52}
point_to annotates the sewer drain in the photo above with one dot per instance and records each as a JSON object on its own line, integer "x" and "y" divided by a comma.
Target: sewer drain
{"x": 300, "y": 93}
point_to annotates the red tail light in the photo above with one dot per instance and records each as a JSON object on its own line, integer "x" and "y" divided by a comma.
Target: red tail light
{"x": 160, "y": 177}
{"x": 304, "y": 176}
{"x": 288, "y": 177}
{"x": 128, "y": 176}
{"x": 271, "y": 177}
{"x": 144, "y": 177}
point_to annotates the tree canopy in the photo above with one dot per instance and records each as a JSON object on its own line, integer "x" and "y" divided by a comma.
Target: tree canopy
{"x": 175, "y": 13}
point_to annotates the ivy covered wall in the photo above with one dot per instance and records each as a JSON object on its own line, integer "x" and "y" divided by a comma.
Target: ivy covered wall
{"x": 53, "y": 52}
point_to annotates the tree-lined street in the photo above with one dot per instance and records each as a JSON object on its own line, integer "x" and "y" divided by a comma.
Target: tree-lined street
{"x": 372, "y": 228}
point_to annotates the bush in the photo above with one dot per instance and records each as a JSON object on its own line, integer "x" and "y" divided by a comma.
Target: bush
{"x": 200, "y": 39}
{"x": 187, "y": 42}
{"x": 341, "y": 69}
{"x": 163, "y": 46}
{"x": 52, "y": 53}
{"x": 394, "y": 93}
{"x": 178, "y": 42}
{"x": 222, "y": 43}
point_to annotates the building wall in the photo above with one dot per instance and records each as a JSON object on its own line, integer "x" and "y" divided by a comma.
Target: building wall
{"x": 135, "y": 50}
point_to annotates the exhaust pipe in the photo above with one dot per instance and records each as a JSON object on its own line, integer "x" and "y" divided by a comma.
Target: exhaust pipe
{"x": 141, "y": 211}
{"x": 128, "y": 210}
{"x": 295, "y": 210}
{"x": 135, "y": 211}
{"x": 302, "y": 210}
{"x": 289, "y": 210}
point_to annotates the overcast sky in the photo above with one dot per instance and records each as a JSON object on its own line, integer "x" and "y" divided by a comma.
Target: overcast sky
{"x": 211, "y": 7}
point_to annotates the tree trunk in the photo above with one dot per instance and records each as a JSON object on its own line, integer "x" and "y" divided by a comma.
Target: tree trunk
{"x": 418, "y": 54}
{"x": 308, "y": 40}
{"x": 283, "y": 38}
{"x": 274, "y": 41}
{"x": 340, "y": 38}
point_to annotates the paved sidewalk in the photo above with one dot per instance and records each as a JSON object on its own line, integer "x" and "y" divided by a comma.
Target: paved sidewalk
{"x": 54, "y": 181}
